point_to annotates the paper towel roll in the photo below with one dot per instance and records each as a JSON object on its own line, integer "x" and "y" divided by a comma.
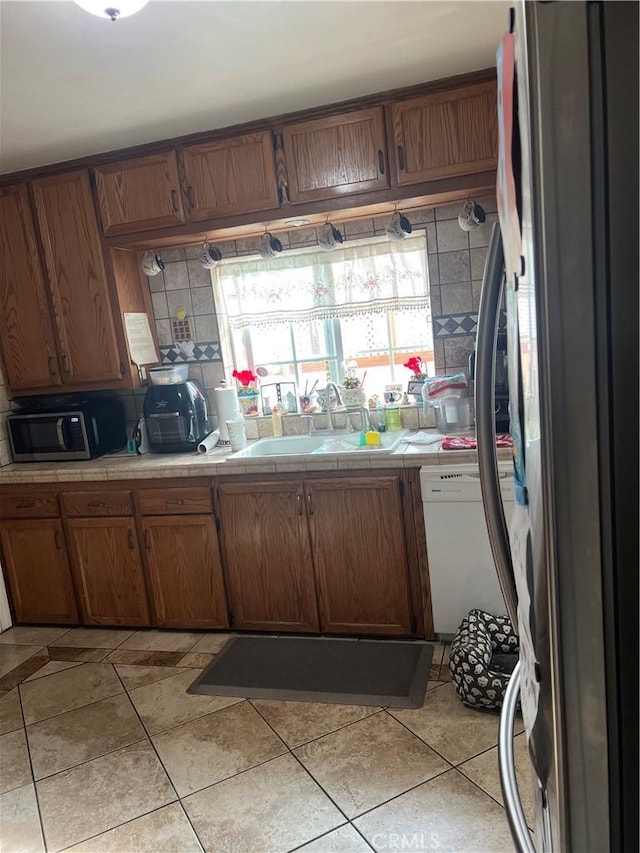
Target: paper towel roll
{"x": 209, "y": 442}
{"x": 227, "y": 409}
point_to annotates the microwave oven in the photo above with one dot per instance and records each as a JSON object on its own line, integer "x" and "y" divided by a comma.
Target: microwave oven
{"x": 74, "y": 429}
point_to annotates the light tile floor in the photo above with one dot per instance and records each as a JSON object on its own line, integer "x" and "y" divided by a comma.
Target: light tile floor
{"x": 102, "y": 750}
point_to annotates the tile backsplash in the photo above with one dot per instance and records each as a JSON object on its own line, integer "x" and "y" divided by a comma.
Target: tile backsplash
{"x": 456, "y": 263}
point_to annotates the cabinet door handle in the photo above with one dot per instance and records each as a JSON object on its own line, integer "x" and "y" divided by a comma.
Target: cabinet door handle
{"x": 25, "y": 504}
{"x": 299, "y": 503}
{"x": 97, "y": 504}
{"x": 52, "y": 365}
{"x": 309, "y": 503}
{"x": 123, "y": 368}
{"x": 381, "y": 161}
{"x": 65, "y": 361}
{"x": 401, "y": 157}
{"x": 130, "y": 540}
{"x": 174, "y": 200}
{"x": 147, "y": 540}
{"x": 191, "y": 197}
{"x": 176, "y": 502}
{"x": 57, "y": 537}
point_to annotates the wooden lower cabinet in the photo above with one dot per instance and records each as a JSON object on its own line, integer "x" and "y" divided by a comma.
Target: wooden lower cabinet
{"x": 265, "y": 540}
{"x": 360, "y": 555}
{"x": 36, "y": 566}
{"x": 185, "y": 573}
{"x": 108, "y": 571}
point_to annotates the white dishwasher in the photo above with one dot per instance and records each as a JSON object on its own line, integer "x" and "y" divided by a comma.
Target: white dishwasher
{"x": 462, "y": 574}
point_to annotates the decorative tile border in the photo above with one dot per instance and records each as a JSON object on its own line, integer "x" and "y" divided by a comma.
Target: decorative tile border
{"x": 450, "y": 325}
{"x": 203, "y": 351}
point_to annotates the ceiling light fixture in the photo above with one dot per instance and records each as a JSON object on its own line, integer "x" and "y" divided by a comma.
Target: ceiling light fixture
{"x": 120, "y": 9}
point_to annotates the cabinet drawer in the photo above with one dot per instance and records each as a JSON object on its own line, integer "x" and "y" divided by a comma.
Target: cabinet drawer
{"x": 43, "y": 505}
{"x": 90, "y": 504}
{"x": 196, "y": 499}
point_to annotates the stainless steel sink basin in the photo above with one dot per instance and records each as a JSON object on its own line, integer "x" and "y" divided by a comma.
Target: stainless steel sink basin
{"x": 319, "y": 443}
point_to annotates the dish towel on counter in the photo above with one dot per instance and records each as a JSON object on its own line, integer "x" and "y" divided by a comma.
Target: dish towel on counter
{"x": 455, "y": 442}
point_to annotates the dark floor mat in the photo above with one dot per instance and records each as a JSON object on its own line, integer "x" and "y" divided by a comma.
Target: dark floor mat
{"x": 320, "y": 669}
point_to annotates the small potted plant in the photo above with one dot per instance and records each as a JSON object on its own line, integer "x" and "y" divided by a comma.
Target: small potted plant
{"x": 248, "y": 394}
{"x": 353, "y": 394}
{"x": 416, "y": 383}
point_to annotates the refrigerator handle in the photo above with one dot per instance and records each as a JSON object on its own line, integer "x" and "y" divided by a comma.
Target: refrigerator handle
{"x": 506, "y": 764}
{"x": 488, "y": 318}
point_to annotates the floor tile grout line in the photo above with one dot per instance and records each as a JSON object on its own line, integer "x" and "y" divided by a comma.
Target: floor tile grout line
{"x": 104, "y": 831}
{"x": 317, "y": 837}
{"x": 193, "y": 720}
{"x": 26, "y": 660}
{"x": 76, "y": 663}
{"x": 33, "y": 781}
{"x": 189, "y": 821}
{"x": 95, "y": 758}
{"x": 157, "y": 681}
{"x": 405, "y": 726}
{"x": 322, "y": 788}
{"x": 318, "y": 737}
{"x": 361, "y": 834}
{"x": 60, "y": 713}
{"x": 306, "y": 770}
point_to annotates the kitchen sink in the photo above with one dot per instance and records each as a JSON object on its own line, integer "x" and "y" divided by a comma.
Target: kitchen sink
{"x": 320, "y": 443}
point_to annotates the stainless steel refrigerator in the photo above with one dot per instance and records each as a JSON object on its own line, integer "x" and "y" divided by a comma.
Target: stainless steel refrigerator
{"x": 565, "y": 256}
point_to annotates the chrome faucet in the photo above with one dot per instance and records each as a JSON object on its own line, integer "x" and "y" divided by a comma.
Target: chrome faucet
{"x": 331, "y": 386}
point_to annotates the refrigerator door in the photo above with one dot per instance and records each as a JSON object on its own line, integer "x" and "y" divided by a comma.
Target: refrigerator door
{"x": 562, "y": 537}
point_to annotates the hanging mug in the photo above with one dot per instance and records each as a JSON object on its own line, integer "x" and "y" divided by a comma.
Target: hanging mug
{"x": 399, "y": 227}
{"x": 210, "y": 257}
{"x": 269, "y": 246}
{"x": 329, "y": 237}
{"x": 152, "y": 264}
{"x": 471, "y": 216}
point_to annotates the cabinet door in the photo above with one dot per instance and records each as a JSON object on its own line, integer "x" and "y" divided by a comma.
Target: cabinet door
{"x": 267, "y": 556}
{"x": 448, "y": 133}
{"x": 140, "y": 194}
{"x": 79, "y": 289}
{"x": 360, "y": 555}
{"x": 108, "y": 570}
{"x": 185, "y": 573}
{"x": 37, "y": 571}
{"x": 26, "y": 331}
{"x": 336, "y": 156}
{"x": 230, "y": 176}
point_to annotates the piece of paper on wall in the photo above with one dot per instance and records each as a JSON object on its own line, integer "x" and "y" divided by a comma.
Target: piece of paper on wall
{"x": 142, "y": 347}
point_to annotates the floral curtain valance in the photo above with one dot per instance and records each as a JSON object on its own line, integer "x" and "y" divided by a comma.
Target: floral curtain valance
{"x": 374, "y": 277}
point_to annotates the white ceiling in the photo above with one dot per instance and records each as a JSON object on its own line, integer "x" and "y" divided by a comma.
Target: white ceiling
{"x": 72, "y": 84}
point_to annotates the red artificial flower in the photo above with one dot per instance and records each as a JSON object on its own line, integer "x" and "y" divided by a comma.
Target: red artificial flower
{"x": 415, "y": 364}
{"x": 245, "y": 377}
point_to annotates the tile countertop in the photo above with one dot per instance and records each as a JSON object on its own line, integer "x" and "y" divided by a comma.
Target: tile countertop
{"x": 223, "y": 462}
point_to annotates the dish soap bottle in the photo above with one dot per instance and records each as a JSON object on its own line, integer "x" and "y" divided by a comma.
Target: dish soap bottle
{"x": 276, "y": 422}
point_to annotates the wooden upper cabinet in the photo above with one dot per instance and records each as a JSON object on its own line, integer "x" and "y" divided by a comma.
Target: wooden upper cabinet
{"x": 37, "y": 571}
{"x": 230, "y": 176}
{"x": 80, "y": 294}
{"x": 360, "y": 555}
{"x": 453, "y": 132}
{"x": 139, "y": 195}
{"x": 268, "y": 562}
{"x": 108, "y": 571}
{"x": 336, "y": 155}
{"x": 26, "y": 332}
{"x": 185, "y": 573}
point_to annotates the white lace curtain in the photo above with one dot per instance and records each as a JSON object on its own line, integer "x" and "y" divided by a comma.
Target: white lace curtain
{"x": 375, "y": 277}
